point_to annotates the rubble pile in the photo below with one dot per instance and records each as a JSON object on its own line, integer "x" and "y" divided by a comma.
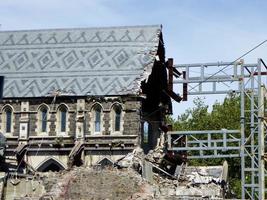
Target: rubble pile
{"x": 174, "y": 180}
{"x": 156, "y": 156}
{"x": 135, "y": 176}
{"x": 132, "y": 160}
{"x": 57, "y": 183}
{"x": 98, "y": 183}
{"x": 202, "y": 182}
{"x": 107, "y": 183}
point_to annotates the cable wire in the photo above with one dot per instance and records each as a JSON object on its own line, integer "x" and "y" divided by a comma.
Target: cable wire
{"x": 243, "y": 55}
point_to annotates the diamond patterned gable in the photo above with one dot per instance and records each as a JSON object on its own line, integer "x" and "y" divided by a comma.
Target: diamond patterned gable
{"x": 86, "y": 61}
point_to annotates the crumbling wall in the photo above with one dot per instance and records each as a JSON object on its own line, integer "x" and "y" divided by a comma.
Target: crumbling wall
{"x": 23, "y": 187}
{"x": 156, "y": 103}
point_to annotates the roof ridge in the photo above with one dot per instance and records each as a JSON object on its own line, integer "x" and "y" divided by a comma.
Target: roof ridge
{"x": 84, "y": 28}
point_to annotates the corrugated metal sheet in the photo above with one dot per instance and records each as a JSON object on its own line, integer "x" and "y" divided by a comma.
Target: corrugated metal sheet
{"x": 88, "y": 61}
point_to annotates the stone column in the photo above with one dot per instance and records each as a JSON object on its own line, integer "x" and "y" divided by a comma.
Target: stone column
{"x": 80, "y": 119}
{"x": 24, "y": 121}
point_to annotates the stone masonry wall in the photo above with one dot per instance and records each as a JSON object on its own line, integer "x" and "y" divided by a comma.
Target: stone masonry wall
{"x": 130, "y": 114}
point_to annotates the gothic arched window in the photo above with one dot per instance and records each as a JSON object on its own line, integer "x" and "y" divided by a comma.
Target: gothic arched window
{"x": 42, "y": 117}
{"x": 116, "y": 118}
{"x": 97, "y": 118}
{"x": 62, "y": 119}
{"x": 7, "y": 119}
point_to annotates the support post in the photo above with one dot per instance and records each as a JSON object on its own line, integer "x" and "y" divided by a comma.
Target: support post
{"x": 185, "y": 87}
{"x": 261, "y": 135}
{"x": 170, "y": 68}
{"x": 242, "y": 124}
{"x": 252, "y": 132}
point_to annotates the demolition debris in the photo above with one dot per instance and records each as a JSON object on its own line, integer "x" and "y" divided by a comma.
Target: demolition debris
{"x": 135, "y": 176}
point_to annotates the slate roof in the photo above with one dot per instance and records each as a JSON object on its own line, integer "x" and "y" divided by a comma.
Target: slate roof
{"x": 84, "y": 61}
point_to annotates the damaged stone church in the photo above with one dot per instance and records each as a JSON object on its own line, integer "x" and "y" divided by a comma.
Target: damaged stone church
{"x": 83, "y": 96}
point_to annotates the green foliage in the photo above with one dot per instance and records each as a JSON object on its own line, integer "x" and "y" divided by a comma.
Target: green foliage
{"x": 223, "y": 115}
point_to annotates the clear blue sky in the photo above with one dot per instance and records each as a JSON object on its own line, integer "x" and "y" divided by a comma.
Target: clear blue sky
{"x": 193, "y": 30}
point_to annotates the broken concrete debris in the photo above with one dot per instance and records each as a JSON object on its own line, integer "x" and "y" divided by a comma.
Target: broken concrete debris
{"x": 135, "y": 176}
{"x": 184, "y": 181}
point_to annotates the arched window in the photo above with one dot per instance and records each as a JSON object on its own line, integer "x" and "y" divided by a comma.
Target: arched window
{"x": 97, "y": 118}
{"x": 43, "y": 115}
{"x": 8, "y": 115}
{"x": 62, "y": 119}
{"x": 116, "y": 117}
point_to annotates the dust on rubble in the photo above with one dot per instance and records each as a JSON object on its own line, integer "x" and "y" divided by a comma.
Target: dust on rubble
{"x": 135, "y": 176}
{"x": 107, "y": 183}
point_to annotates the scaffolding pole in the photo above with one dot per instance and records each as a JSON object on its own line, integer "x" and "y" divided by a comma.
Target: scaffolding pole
{"x": 249, "y": 84}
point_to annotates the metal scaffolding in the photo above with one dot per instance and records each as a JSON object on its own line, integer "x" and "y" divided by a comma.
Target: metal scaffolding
{"x": 206, "y": 144}
{"x": 248, "y": 143}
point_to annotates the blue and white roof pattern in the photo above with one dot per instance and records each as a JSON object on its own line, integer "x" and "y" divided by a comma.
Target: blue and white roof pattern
{"x": 87, "y": 61}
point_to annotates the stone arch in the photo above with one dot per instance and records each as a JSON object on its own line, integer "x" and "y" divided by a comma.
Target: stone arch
{"x": 63, "y": 105}
{"x": 50, "y": 164}
{"x": 95, "y": 105}
{"x": 103, "y": 162}
{"x": 42, "y": 105}
{"x": 116, "y": 103}
{"x": 6, "y": 107}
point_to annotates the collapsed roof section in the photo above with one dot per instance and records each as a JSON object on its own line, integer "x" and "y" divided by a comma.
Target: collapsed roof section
{"x": 85, "y": 61}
